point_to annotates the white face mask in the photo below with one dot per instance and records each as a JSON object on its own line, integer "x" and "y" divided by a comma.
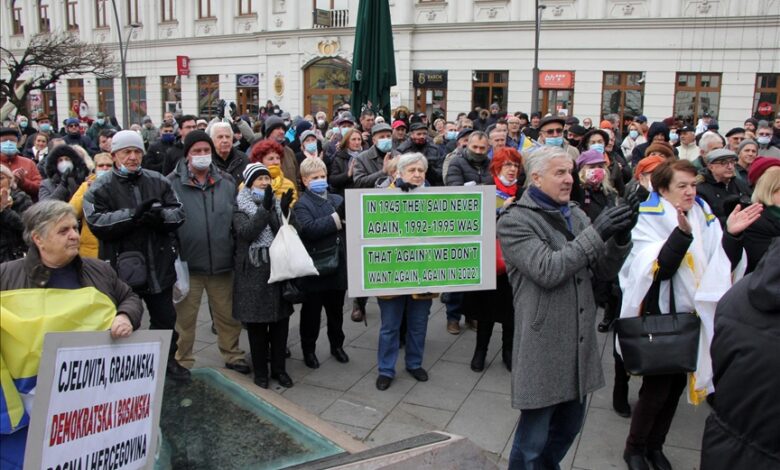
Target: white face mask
{"x": 201, "y": 162}
{"x": 64, "y": 166}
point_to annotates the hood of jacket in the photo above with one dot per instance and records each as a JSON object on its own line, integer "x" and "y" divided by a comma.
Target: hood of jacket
{"x": 80, "y": 170}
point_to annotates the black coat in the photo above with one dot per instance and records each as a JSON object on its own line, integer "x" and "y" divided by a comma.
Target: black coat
{"x": 461, "y": 171}
{"x": 155, "y": 157}
{"x": 54, "y": 187}
{"x": 759, "y": 235}
{"x": 317, "y": 228}
{"x": 254, "y": 299}
{"x": 722, "y": 197}
{"x": 743, "y": 431}
{"x": 338, "y": 173}
{"x": 109, "y": 206}
{"x": 12, "y": 245}
{"x": 234, "y": 164}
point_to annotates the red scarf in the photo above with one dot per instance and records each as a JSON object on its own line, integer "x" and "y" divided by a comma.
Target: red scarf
{"x": 511, "y": 191}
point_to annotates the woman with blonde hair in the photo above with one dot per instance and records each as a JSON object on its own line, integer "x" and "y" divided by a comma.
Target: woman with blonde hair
{"x": 343, "y": 164}
{"x": 765, "y": 174}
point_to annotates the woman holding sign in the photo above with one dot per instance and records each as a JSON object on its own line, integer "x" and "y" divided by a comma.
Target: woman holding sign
{"x": 411, "y": 170}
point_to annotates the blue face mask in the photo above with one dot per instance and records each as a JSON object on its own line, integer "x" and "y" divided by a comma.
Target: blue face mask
{"x": 674, "y": 137}
{"x": 99, "y": 173}
{"x": 318, "y": 186}
{"x": 553, "y": 141}
{"x": 123, "y": 170}
{"x": 45, "y": 127}
{"x": 597, "y": 147}
{"x": 311, "y": 147}
{"x": 101, "y": 121}
{"x": 452, "y": 135}
{"x": 384, "y": 145}
{"x": 258, "y": 193}
{"x": 8, "y": 147}
{"x": 167, "y": 138}
{"x": 23, "y": 124}
{"x": 633, "y": 134}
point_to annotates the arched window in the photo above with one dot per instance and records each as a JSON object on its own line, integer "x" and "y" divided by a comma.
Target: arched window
{"x": 326, "y": 83}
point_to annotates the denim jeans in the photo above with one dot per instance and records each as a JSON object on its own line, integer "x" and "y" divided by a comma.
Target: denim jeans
{"x": 392, "y": 311}
{"x": 544, "y": 435}
{"x": 454, "y": 303}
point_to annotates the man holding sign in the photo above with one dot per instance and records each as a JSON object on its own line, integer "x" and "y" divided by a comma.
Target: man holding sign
{"x": 81, "y": 294}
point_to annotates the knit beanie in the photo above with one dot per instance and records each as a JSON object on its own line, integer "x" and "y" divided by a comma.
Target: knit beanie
{"x": 252, "y": 171}
{"x": 198, "y": 136}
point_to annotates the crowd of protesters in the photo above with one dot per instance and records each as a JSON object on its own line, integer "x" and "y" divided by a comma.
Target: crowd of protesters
{"x": 588, "y": 217}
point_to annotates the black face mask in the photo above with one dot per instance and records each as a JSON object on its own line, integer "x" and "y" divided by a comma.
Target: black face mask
{"x": 574, "y": 142}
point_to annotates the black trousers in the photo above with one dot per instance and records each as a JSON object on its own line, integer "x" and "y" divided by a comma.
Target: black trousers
{"x": 485, "y": 331}
{"x": 311, "y": 310}
{"x": 653, "y": 413}
{"x": 260, "y": 336}
{"x": 162, "y": 315}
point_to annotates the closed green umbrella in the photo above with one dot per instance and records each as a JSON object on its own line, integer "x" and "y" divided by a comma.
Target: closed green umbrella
{"x": 373, "y": 66}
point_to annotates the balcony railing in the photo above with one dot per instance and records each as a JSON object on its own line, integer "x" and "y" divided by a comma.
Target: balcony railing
{"x": 331, "y": 18}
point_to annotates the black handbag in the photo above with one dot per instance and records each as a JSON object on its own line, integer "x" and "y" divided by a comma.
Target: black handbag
{"x": 655, "y": 343}
{"x": 326, "y": 260}
{"x": 292, "y": 292}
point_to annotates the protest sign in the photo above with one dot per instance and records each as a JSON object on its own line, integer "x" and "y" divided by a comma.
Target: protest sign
{"x": 428, "y": 240}
{"x": 97, "y": 402}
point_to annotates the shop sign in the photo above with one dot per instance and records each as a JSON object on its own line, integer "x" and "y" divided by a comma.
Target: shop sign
{"x": 247, "y": 80}
{"x": 183, "y": 65}
{"x": 765, "y": 108}
{"x": 556, "y": 79}
{"x": 436, "y": 79}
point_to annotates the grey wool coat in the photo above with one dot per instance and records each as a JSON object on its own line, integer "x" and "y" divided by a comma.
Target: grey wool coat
{"x": 555, "y": 353}
{"x": 254, "y": 299}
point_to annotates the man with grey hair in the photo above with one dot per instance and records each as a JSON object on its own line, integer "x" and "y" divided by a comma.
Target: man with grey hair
{"x": 708, "y": 142}
{"x": 228, "y": 158}
{"x": 133, "y": 212}
{"x": 552, "y": 252}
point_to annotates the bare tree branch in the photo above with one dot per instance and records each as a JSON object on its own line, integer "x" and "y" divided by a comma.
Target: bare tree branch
{"x": 48, "y": 57}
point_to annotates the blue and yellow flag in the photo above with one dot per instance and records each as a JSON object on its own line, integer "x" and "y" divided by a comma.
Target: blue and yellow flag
{"x": 26, "y": 315}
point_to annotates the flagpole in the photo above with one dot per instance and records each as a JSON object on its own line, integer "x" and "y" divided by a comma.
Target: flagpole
{"x": 535, "y": 77}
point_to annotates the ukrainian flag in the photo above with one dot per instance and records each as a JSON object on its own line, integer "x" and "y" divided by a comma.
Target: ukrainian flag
{"x": 26, "y": 315}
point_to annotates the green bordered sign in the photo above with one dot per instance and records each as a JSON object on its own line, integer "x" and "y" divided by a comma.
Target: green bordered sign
{"x": 430, "y": 240}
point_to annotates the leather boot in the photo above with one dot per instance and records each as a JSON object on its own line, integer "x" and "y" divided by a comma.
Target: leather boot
{"x": 478, "y": 361}
{"x": 506, "y": 356}
{"x": 620, "y": 390}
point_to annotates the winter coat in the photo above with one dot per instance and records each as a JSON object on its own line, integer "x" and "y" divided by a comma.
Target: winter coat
{"x": 639, "y": 151}
{"x": 338, "y": 173}
{"x": 155, "y": 157}
{"x": 743, "y": 431}
{"x": 172, "y": 158}
{"x": 316, "y": 225}
{"x": 555, "y": 348}
{"x": 12, "y": 245}
{"x": 30, "y": 273}
{"x": 369, "y": 168}
{"x": 254, "y": 299}
{"x": 233, "y": 165}
{"x": 109, "y": 206}
{"x": 722, "y": 197}
{"x": 432, "y": 154}
{"x": 205, "y": 237}
{"x": 32, "y": 182}
{"x": 88, "y": 246}
{"x": 759, "y": 235}
{"x": 82, "y": 140}
{"x": 54, "y": 187}
{"x": 461, "y": 171}
{"x": 290, "y": 168}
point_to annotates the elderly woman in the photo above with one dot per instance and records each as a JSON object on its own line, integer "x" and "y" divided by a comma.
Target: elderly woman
{"x": 411, "y": 170}
{"x": 13, "y": 203}
{"x": 256, "y": 303}
{"x": 746, "y": 153}
{"x": 491, "y": 307}
{"x": 673, "y": 225}
{"x": 599, "y": 140}
{"x": 89, "y": 243}
{"x": 552, "y": 252}
{"x": 270, "y": 153}
{"x": 51, "y": 231}
{"x": 765, "y": 174}
{"x": 66, "y": 171}
{"x": 319, "y": 218}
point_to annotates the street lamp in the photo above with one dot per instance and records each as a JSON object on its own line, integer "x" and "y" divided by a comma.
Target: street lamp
{"x": 535, "y": 77}
{"x": 123, "y": 62}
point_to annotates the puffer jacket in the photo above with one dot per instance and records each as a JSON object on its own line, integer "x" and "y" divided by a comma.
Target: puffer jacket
{"x": 54, "y": 187}
{"x": 205, "y": 237}
{"x": 109, "y": 206}
{"x": 89, "y": 246}
{"x": 30, "y": 273}
{"x": 555, "y": 348}
{"x": 742, "y": 431}
{"x": 461, "y": 171}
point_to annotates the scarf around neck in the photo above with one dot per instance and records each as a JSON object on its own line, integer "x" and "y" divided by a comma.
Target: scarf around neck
{"x": 247, "y": 203}
{"x": 546, "y": 202}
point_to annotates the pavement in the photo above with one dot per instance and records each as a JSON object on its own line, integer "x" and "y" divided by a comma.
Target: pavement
{"x": 455, "y": 399}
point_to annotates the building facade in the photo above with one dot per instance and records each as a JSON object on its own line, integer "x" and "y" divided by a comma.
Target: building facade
{"x": 655, "y": 57}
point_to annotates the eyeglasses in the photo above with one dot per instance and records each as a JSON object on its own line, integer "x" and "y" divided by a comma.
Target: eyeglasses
{"x": 510, "y": 165}
{"x": 730, "y": 162}
{"x": 553, "y": 131}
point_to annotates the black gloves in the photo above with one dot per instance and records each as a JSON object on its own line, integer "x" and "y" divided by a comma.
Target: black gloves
{"x": 268, "y": 198}
{"x": 286, "y": 201}
{"x": 613, "y": 220}
{"x": 144, "y": 207}
{"x": 221, "y": 109}
{"x": 406, "y": 187}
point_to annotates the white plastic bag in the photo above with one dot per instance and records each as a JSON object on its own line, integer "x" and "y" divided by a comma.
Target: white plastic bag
{"x": 289, "y": 258}
{"x": 182, "y": 287}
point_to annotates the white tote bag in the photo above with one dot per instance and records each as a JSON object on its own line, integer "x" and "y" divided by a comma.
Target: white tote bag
{"x": 289, "y": 258}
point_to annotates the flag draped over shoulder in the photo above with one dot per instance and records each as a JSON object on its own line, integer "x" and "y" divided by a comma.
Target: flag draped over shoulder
{"x": 373, "y": 66}
{"x": 27, "y": 315}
